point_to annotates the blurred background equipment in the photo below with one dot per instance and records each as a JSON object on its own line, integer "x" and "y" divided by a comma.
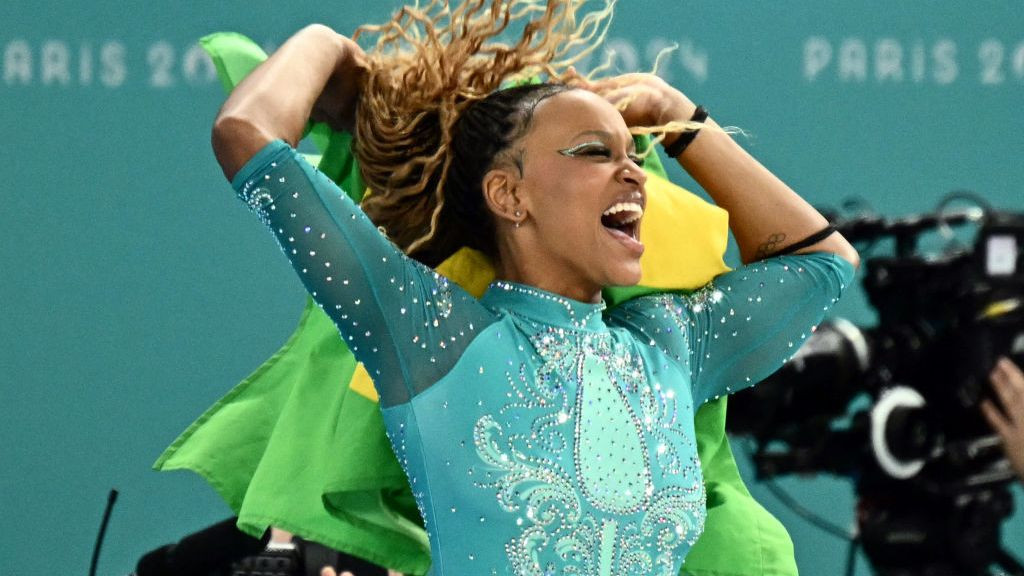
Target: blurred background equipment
{"x": 895, "y": 407}
{"x": 223, "y": 550}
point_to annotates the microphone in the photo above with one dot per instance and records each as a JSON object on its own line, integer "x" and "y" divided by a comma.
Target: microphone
{"x": 111, "y": 498}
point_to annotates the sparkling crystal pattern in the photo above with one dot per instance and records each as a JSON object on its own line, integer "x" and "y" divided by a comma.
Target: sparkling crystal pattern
{"x": 604, "y": 518}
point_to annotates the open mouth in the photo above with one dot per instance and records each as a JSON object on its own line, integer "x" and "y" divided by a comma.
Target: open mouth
{"x": 623, "y": 218}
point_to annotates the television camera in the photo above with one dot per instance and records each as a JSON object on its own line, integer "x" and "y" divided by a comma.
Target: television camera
{"x": 895, "y": 407}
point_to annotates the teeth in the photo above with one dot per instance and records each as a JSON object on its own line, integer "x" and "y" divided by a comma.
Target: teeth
{"x": 634, "y": 207}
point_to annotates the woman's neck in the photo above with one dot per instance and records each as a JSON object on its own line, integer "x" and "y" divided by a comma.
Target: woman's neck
{"x": 528, "y": 276}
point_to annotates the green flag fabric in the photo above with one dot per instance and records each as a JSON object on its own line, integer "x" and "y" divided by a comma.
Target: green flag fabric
{"x": 300, "y": 443}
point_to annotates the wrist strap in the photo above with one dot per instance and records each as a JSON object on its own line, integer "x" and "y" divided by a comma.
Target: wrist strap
{"x": 676, "y": 148}
{"x": 812, "y": 239}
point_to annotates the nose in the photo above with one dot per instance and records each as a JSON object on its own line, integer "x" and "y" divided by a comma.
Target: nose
{"x": 632, "y": 173}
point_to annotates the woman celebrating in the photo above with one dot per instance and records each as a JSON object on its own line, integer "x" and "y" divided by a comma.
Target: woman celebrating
{"x": 558, "y": 434}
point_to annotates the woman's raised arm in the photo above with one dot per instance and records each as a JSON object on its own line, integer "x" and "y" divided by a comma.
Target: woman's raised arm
{"x": 765, "y": 215}
{"x": 316, "y": 74}
{"x": 380, "y": 300}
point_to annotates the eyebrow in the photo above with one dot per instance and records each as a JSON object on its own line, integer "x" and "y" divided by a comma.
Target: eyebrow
{"x": 598, "y": 133}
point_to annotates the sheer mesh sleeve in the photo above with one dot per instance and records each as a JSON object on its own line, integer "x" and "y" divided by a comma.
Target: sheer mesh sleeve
{"x": 407, "y": 324}
{"x": 745, "y": 324}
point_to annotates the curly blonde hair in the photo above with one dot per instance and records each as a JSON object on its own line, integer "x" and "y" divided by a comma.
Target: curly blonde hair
{"x": 429, "y": 64}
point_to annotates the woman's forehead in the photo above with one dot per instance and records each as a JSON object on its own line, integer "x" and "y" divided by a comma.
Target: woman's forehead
{"x": 578, "y": 112}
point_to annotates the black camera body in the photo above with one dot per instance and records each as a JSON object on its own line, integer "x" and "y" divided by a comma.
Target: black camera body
{"x": 895, "y": 407}
{"x": 276, "y": 560}
{"x": 300, "y": 558}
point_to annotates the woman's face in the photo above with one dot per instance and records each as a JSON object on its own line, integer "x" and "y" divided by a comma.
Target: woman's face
{"x": 582, "y": 191}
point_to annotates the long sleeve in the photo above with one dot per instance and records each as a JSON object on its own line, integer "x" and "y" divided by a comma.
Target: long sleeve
{"x": 406, "y": 323}
{"x": 745, "y": 324}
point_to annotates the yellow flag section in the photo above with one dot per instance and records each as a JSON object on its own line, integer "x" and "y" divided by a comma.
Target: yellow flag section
{"x": 684, "y": 238}
{"x": 684, "y": 241}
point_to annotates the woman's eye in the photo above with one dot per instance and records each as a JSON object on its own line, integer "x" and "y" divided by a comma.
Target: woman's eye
{"x": 596, "y": 151}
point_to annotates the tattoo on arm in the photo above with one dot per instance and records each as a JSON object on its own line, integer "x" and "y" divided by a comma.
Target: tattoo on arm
{"x": 771, "y": 245}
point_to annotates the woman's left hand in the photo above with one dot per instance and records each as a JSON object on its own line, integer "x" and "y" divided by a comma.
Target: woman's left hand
{"x": 762, "y": 208}
{"x": 642, "y": 99}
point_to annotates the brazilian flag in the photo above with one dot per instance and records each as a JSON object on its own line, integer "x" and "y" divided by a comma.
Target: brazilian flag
{"x": 300, "y": 443}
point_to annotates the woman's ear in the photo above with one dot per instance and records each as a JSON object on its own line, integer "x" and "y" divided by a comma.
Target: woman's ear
{"x": 500, "y": 188}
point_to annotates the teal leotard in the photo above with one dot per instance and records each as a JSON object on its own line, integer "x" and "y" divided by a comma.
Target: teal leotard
{"x": 540, "y": 435}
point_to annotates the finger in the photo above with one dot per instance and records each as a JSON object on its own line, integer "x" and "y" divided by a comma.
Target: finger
{"x": 1014, "y": 406}
{"x": 327, "y": 571}
{"x": 608, "y": 84}
{"x": 1004, "y": 387}
{"x": 995, "y": 419}
{"x": 573, "y": 75}
{"x": 616, "y": 95}
{"x": 1012, "y": 371}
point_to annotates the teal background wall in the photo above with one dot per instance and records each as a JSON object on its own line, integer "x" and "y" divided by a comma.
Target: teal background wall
{"x": 135, "y": 290}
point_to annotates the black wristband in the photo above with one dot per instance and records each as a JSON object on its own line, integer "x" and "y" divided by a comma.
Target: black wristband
{"x": 676, "y": 148}
{"x": 812, "y": 239}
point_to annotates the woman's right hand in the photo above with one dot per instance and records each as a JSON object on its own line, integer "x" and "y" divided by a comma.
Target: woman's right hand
{"x": 336, "y": 105}
{"x": 317, "y": 74}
